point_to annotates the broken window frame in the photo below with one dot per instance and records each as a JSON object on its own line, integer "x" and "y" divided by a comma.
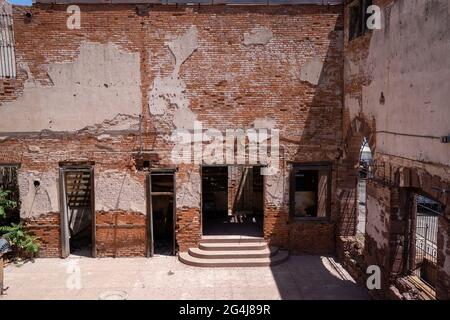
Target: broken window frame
{"x": 358, "y": 10}
{"x": 314, "y": 166}
{"x": 150, "y": 194}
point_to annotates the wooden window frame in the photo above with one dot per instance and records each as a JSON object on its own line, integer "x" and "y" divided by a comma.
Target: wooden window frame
{"x": 311, "y": 166}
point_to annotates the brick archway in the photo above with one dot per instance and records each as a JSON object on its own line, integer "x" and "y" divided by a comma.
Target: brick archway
{"x": 358, "y": 129}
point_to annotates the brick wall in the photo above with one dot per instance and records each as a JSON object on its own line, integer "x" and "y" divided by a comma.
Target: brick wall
{"x": 47, "y": 229}
{"x": 228, "y": 85}
{"x": 395, "y": 176}
{"x": 120, "y": 234}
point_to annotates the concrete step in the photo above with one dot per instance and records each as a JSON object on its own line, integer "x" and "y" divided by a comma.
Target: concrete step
{"x": 232, "y": 246}
{"x": 239, "y": 254}
{"x": 278, "y": 258}
{"x": 230, "y": 239}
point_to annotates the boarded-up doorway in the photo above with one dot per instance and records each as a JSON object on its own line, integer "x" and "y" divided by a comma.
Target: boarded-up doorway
{"x": 77, "y": 214}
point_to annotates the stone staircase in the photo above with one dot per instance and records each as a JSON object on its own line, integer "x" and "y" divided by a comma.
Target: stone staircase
{"x": 233, "y": 251}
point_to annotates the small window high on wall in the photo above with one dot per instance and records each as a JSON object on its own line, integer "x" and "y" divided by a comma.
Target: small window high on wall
{"x": 7, "y": 52}
{"x": 358, "y": 18}
{"x": 311, "y": 191}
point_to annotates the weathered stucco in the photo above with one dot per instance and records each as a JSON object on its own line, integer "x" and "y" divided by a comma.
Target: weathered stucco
{"x": 188, "y": 193}
{"x": 376, "y": 228}
{"x": 100, "y": 84}
{"x": 277, "y": 189}
{"x": 168, "y": 99}
{"x": 311, "y": 71}
{"x": 43, "y": 199}
{"x": 409, "y": 64}
{"x": 117, "y": 190}
{"x": 258, "y": 36}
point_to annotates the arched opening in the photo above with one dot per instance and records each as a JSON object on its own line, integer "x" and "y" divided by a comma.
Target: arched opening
{"x": 365, "y": 170}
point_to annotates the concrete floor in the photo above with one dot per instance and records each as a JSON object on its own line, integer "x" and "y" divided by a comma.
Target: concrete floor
{"x": 164, "y": 277}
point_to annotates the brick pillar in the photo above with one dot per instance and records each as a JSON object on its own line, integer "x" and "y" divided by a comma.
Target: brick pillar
{"x": 443, "y": 260}
{"x": 346, "y": 196}
{"x": 276, "y": 208}
{"x": 188, "y": 199}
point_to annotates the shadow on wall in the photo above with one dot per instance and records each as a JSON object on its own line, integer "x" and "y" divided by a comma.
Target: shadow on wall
{"x": 318, "y": 117}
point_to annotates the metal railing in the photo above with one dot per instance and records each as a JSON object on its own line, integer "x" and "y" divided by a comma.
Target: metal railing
{"x": 427, "y": 213}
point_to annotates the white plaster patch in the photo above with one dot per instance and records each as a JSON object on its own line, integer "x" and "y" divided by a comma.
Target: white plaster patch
{"x": 376, "y": 226}
{"x": 311, "y": 71}
{"x": 183, "y": 46}
{"x": 102, "y": 82}
{"x": 167, "y": 98}
{"x": 40, "y": 200}
{"x": 115, "y": 190}
{"x": 353, "y": 106}
{"x": 189, "y": 193}
{"x": 258, "y": 36}
{"x": 264, "y": 123}
{"x": 275, "y": 189}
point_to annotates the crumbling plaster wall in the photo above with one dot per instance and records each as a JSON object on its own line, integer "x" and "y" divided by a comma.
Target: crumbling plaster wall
{"x": 396, "y": 80}
{"x": 40, "y": 200}
{"x": 408, "y": 63}
{"x": 117, "y": 190}
{"x": 230, "y": 67}
{"x": 101, "y": 83}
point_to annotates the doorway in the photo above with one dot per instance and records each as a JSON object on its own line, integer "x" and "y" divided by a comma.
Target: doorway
{"x": 232, "y": 200}
{"x": 426, "y": 212}
{"x": 365, "y": 171}
{"x": 77, "y": 214}
{"x": 162, "y": 213}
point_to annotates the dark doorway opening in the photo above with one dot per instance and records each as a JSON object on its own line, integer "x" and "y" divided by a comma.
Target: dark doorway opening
{"x": 78, "y": 212}
{"x": 162, "y": 237}
{"x": 232, "y": 200}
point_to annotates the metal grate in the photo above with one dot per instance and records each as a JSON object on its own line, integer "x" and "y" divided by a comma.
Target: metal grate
{"x": 425, "y": 261}
{"x": 7, "y": 53}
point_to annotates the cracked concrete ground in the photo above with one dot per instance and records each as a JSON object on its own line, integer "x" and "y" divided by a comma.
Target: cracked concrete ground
{"x": 301, "y": 277}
